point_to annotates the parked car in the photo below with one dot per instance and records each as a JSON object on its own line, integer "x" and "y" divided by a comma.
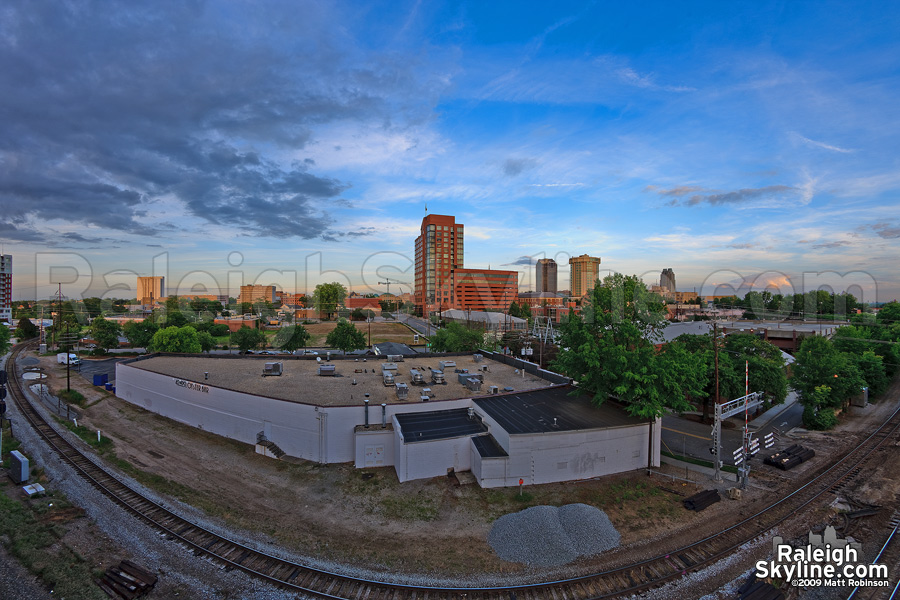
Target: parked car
{"x": 267, "y": 352}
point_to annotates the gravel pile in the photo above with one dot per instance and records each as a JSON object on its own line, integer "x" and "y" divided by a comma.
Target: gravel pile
{"x": 547, "y": 536}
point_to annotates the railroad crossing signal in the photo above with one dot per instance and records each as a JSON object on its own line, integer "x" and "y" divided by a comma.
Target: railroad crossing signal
{"x": 769, "y": 440}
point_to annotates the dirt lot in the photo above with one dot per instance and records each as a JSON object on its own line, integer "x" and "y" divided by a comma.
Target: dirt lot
{"x": 336, "y": 513}
{"x": 380, "y": 332}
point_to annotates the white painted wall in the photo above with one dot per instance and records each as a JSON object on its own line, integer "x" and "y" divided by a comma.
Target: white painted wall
{"x": 422, "y": 460}
{"x": 321, "y": 434}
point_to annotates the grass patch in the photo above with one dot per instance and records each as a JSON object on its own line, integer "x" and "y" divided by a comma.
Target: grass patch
{"x": 699, "y": 461}
{"x": 410, "y": 508}
{"x": 102, "y": 444}
{"x": 71, "y": 397}
{"x": 31, "y": 533}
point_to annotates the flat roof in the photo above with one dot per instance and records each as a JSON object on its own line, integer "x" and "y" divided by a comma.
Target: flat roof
{"x": 438, "y": 425}
{"x": 534, "y": 412}
{"x": 488, "y": 447}
{"x": 301, "y": 383}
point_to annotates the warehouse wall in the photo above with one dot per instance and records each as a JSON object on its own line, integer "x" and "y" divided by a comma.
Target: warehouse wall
{"x": 422, "y": 460}
{"x": 321, "y": 434}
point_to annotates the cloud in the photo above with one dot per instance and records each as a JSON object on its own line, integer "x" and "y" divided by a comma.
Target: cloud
{"x": 679, "y": 191}
{"x": 631, "y": 77}
{"x": 829, "y": 245}
{"x": 522, "y": 261}
{"x": 107, "y": 111}
{"x": 810, "y": 142}
{"x": 885, "y": 230}
{"x": 686, "y": 196}
{"x": 515, "y": 166}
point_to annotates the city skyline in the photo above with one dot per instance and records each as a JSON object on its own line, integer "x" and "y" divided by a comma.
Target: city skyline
{"x": 726, "y": 142}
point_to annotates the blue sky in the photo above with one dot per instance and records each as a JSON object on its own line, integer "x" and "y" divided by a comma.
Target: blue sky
{"x": 293, "y": 143}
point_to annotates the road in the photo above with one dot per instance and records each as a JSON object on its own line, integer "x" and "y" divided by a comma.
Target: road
{"x": 689, "y": 438}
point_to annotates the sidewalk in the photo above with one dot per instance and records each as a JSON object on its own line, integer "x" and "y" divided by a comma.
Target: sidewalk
{"x": 774, "y": 412}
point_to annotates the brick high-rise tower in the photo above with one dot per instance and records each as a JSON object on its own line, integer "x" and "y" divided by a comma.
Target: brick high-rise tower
{"x": 439, "y": 250}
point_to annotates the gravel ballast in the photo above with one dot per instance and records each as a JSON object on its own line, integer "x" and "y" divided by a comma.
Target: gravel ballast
{"x": 547, "y": 536}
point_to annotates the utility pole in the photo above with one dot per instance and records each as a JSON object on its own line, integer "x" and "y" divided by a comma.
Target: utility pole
{"x": 68, "y": 361}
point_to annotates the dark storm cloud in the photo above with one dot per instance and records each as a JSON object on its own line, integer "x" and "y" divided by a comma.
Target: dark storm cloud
{"x": 886, "y": 230}
{"x": 515, "y": 166}
{"x": 525, "y": 261}
{"x": 686, "y": 195}
{"x": 106, "y": 108}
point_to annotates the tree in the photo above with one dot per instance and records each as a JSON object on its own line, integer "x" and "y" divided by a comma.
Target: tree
{"x": 818, "y": 363}
{"x": 889, "y": 314}
{"x": 328, "y": 296}
{"x": 176, "y": 339}
{"x": 346, "y": 337}
{"x": 818, "y": 412}
{"x": 247, "y": 339}
{"x": 174, "y": 316}
{"x": 120, "y": 306}
{"x": 871, "y": 367}
{"x": 456, "y": 337}
{"x": 93, "y": 306}
{"x": 292, "y": 337}
{"x": 4, "y": 339}
{"x": 219, "y": 329}
{"x": 764, "y": 362}
{"x": 26, "y": 330}
{"x": 207, "y": 342}
{"x": 139, "y": 333}
{"x": 611, "y": 351}
{"x": 105, "y": 333}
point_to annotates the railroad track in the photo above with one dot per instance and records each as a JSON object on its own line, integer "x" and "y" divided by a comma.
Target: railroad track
{"x": 318, "y": 583}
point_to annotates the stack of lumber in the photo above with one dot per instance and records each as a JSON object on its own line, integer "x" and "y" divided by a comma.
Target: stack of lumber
{"x": 701, "y": 500}
{"x": 790, "y": 457}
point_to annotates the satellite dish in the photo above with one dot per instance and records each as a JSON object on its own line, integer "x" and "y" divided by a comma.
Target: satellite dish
{"x": 318, "y": 359}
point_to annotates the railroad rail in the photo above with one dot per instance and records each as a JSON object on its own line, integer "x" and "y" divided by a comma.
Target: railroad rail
{"x": 319, "y": 583}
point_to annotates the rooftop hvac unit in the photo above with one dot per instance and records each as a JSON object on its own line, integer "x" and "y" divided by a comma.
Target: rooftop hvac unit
{"x": 388, "y": 366}
{"x": 273, "y": 368}
{"x": 417, "y": 376}
{"x": 437, "y": 376}
{"x": 424, "y": 398}
{"x": 463, "y": 377}
{"x": 326, "y": 370}
{"x": 18, "y": 467}
{"x": 484, "y": 368}
{"x": 395, "y": 357}
{"x": 388, "y": 378}
{"x": 473, "y": 384}
{"x": 402, "y": 391}
{"x": 447, "y": 363}
{"x": 477, "y": 357}
{"x": 494, "y": 389}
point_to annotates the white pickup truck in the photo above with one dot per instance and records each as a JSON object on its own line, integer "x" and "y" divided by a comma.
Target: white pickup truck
{"x": 72, "y": 359}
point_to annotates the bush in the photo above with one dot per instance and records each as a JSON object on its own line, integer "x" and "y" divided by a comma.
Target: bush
{"x": 819, "y": 419}
{"x": 71, "y": 397}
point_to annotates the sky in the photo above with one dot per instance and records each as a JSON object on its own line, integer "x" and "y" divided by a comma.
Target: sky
{"x": 744, "y": 145}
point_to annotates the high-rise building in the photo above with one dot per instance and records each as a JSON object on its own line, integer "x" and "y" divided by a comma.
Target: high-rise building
{"x": 545, "y": 275}
{"x": 6, "y": 288}
{"x": 439, "y": 250}
{"x": 584, "y": 271}
{"x": 150, "y": 289}
{"x": 485, "y": 289}
{"x": 667, "y": 280}
{"x": 257, "y": 293}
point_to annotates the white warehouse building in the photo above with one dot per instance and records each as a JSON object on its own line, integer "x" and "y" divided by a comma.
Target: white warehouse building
{"x": 478, "y": 414}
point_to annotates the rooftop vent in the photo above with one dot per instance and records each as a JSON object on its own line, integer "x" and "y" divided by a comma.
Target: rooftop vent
{"x": 437, "y": 376}
{"x": 447, "y": 363}
{"x": 326, "y": 370}
{"x": 388, "y": 366}
{"x": 395, "y": 357}
{"x": 417, "y": 376}
{"x": 402, "y": 391}
{"x": 388, "y": 378}
{"x": 272, "y": 368}
{"x": 477, "y": 358}
{"x": 473, "y": 384}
